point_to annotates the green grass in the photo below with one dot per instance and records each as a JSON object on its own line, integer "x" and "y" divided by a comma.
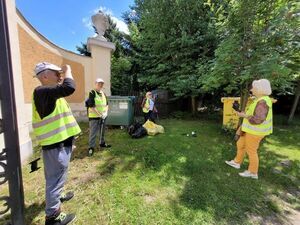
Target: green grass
{"x": 174, "y": 179}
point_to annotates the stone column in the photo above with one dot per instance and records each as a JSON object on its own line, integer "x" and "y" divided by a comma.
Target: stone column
{"x": 24, "y": 123}
{"x": 101, "y": 51}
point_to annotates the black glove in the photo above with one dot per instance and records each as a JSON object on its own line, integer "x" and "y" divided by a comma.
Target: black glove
{"x": 236, "y": 106}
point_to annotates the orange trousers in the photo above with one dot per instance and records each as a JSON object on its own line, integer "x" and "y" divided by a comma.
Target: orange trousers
{"x": 248, "y": 143}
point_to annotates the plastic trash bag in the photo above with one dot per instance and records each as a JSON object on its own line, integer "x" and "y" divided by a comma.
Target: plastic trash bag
{"x": 132, "y": 128}
{"x": 140, "y": 132}
{"x": 153, "y": 129}
{"x": 136, "y": 130}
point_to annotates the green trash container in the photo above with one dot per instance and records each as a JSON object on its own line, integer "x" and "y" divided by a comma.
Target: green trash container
{"x": 121, "y": 110}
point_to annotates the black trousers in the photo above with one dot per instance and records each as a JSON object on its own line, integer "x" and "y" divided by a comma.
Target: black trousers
{"x": 149, "y": 116}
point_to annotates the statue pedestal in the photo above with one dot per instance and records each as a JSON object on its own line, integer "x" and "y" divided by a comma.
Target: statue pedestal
{"x": 101, "y": 43}
{"x": 101, "y": 61}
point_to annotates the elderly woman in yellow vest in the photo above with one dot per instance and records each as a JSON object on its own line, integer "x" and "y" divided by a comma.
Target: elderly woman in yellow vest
{"x": 148, "y": 107}
{"x": 257, "y": 123}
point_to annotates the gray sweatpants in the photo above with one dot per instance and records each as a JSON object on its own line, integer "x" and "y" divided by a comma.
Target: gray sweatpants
{"x": 56, "y": 162}
{"x": 96, "y": 126}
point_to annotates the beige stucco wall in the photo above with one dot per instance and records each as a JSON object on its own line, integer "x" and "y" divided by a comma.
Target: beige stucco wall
{"x": 35, "y": 48}
{"x": 28, "y": 48}
{"x": 32, "y": 52}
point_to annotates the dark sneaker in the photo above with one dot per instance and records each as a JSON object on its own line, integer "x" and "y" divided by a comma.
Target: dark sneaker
{"x": 61, "y": 219}
{"x": 105, "y": 146}
{"x": 66, "y": 197}
{"x": 91, "y": 151}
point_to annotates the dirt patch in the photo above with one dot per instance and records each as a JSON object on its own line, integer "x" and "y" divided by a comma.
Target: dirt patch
{"x": 86, "y": 178}
{"x": 83, "y": 171}
{"x": 291, "y": 217}
{"x": 269, "y": 220}
{"x": 294, "y": 217}
{"x": 149, "y": 198}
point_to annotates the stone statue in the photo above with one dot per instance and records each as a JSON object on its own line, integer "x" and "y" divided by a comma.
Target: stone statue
{"x": 101, "y": 24}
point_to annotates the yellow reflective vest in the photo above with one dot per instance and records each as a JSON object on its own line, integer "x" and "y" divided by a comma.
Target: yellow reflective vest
{"x": 57, "y": 126}
{"x": 100, "y": 105}
{"x": 266, "y": 127}
{"x": 146, "y": 105}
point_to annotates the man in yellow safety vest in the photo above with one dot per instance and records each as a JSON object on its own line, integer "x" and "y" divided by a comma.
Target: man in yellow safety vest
{"x": 97, "y": 113}
{"x": 54, "y": 127}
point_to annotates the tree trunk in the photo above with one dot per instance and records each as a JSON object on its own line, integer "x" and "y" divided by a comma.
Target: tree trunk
{"x": 200, "y": 102}
{"x": 193, "y": 98}
{"x": 243, "y": 102}
{"x": 295, "y": 104}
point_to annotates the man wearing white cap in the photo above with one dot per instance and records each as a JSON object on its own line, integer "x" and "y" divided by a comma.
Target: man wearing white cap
{"x": 54, "y": 127}
{"x": 97, "y": 113}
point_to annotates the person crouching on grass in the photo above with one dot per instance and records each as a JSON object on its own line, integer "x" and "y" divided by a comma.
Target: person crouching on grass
{"x": 257, "y": 123}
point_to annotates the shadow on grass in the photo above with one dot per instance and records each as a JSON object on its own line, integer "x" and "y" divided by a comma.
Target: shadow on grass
{"x": 82, "y": 142}
{"x": 234, "y": 199}
{"x": 31, "y": 212}
{"x": 210, "y": 185}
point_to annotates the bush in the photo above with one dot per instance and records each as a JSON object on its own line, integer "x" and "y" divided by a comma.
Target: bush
{"x": 180, "y": 115}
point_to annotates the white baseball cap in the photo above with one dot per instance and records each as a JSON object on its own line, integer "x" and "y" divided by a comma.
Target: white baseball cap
{"x": 40, "y": 67}
{"x": 99, "y": 80}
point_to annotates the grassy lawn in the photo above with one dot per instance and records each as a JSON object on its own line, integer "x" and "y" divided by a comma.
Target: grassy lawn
{"x": 175, "y": 179}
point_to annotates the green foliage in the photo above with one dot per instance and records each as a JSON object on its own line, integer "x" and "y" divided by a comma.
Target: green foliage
{"x": 199, "y": 47}
{"x": 180, "y": 115}
{"x": 257, "y": 46}
{"x": 175, "y": 37}
{"x": 83, "y": 50}
{"x": 120, "y": 78}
